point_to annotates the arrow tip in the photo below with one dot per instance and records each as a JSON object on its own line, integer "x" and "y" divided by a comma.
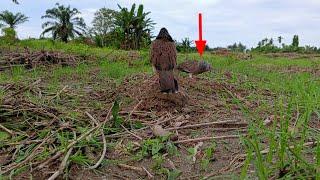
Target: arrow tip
{"x": 201, "y": 45}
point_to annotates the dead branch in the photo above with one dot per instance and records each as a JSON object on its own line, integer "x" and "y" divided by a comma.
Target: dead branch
{"x": 25, "y": 88}
{"x": 104, "y": 143}
{"x": 123, "y": 134}
{"x": 62, "y": 166}
{"x": 59, "y": 153}
{"x": 134, "y": 109}
{"x": 58, "y": 93}
{"x": 32, "y": 154}
{"x": 136, "y": 136}
{"x": 139, "y": 169}
{"x": 7, "y": 130}
{"x": 150, "y": 176}
{"x": 207, "y": 139}
{"x": 207, "y": 124}
{"x": 32, "y": 59}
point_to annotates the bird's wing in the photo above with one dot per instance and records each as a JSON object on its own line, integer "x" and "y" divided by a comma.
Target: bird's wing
{"x": 163, "y": 55}
{"x": 172, "y": 55}
{"x": 155, "y": 49}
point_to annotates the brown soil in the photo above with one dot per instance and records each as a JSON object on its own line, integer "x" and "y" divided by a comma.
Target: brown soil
{"x": 200, "y": 101}
{"x": 204, "y": 105}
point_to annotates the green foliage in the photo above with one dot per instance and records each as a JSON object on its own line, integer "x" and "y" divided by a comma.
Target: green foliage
{"x": 156, "y": 147}
{"x": 116, "y": 120}
{"x": 185, "y": 45}
{"x": 208, "y": 155}
{"x": 3, "y": 136}
{"x": 103, "y": 30}
{"x": 133, "y": 27}
{"x": 104, "y": 21}
{"x": 267, "y": 46}
{"x": 237, "y": 47}
{"x": 280, "y": 38}
{"x": 80, "y": 159}
{"x": 318, "y": 159}
{"x": 288, "y": 93}
{"x": 9, "y": 36}
{"x": 12, "y": 20}
{"x": 65, "y": 23}
{"x": 192, "y": 152}
{"x": 295, "y": 41}
{"x": 173, "y": 174}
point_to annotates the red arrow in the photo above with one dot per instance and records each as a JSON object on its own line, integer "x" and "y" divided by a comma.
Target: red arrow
{"x": 201, "y": 44}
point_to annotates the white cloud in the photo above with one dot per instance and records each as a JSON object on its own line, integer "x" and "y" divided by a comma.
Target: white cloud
{"x": 88, "y": 14}
{"x": 225, "y": 22}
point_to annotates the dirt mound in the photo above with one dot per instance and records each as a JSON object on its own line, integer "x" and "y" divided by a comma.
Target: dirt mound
{"x": 198, "y": 97}
{"x": 146, "y": 89}
{"x": 30, "y": 59}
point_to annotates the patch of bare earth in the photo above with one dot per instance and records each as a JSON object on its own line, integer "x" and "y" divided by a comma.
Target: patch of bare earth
{"x": 201, "y": 114}
{"x": 205, "y": 117}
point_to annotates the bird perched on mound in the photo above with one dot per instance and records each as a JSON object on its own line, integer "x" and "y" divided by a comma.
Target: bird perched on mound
{"x": 164, "y": 60}
{"x": 194, "y": 67}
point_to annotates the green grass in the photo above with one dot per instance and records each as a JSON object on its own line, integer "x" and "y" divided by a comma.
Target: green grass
{"x": 294, "y": 93}
{"x": 294, "y": 98}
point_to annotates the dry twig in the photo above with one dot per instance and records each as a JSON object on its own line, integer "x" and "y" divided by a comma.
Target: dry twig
{"x": 7, "y": 130}
{"x": 207, "y": 124}
{"x": 27, "y": 159}
{"x": 104, "y": 143}
{"x": 62, "y": 166}
{"x": 207, "y": 139}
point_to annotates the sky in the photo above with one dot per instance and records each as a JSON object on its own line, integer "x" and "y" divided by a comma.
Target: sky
{"x": 224, "y": 21}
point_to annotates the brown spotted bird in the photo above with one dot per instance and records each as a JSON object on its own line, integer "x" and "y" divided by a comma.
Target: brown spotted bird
{"x": 164, "y": 61}
{"x": 194, "y": 67}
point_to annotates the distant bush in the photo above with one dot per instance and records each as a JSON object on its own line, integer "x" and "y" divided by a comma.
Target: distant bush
{"x": 267, "y": 46}
{"x": 9, "y": 36}
{"x": 237, "y": 47}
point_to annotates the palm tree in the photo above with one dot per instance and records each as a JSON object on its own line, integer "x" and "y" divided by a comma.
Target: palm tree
{"x": 280, "y": 38}
{"x": 12, "y": 20}
{"x": 134, "y": 26}
{"x": 65, "y": 23}
{"x": 270, "y": 42}
{"x": 265, "y": 41}
{"x": 186, "y": 44}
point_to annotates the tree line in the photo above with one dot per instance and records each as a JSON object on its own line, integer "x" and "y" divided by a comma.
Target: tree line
{"x": 270, "y": 46}
{"x": 125, "y": 28}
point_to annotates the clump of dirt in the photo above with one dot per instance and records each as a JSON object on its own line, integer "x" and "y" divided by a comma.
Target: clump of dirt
{"x": 197, "y": 97}
{"x": 145, "y": 88}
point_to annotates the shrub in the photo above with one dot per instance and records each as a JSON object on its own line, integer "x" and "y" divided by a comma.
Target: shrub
{"x": 10, "y": 36}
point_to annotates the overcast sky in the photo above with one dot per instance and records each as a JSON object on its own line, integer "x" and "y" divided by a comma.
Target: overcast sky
{"x": 224, "y": 21}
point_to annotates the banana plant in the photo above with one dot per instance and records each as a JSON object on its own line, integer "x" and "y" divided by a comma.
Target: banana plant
{"x": 134, "y": 26}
